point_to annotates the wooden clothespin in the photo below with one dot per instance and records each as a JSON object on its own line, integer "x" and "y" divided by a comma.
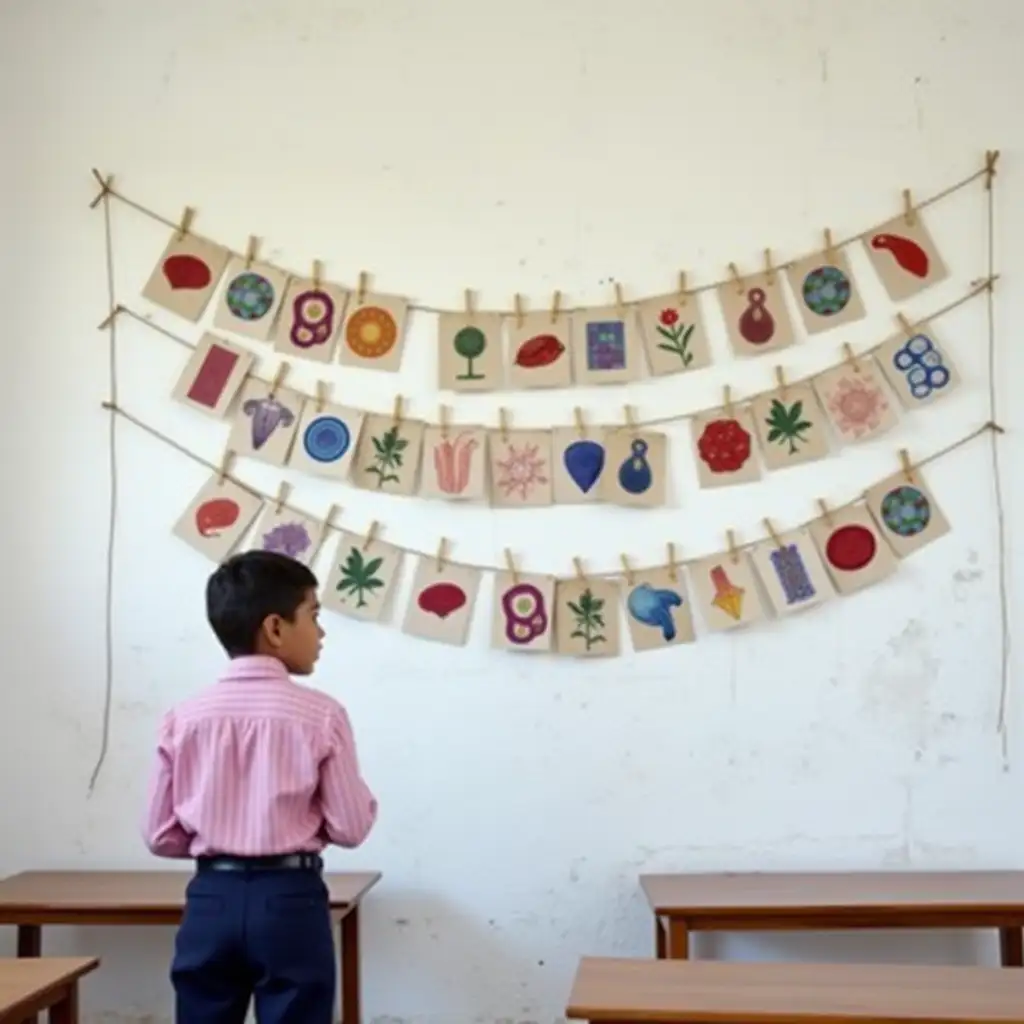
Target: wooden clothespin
{"x": 185, "y": 224}
{"x": 225, "y": 466}
{"x": 442, "y": 554}
{"x": 770, "y": 530}
{"x": 364, "y": 281}
{"x": 510, "y": 564}
{"x": 318, "y": 273}
{"x": 556, "y": 304}
{"x": 578, "y": 566}
{"x": 780, "y": 380}
{"x": 620, "y": 302}
{"x": 730, "y": 540}
{"x": 830, "y": 249}
{"x": 518, "y": 306}
{"x": 396, "y": 411}
{"x": 442, "y": 417}
{"x": 282, "y": 496}
{"x": 727, "y": 406}
{"x": 769, "y": 269}
{"x": 321, "y": 395}
{"x": 825, "y": 513}
{"x": 908, "y": 327}
{"x": 908, "y": 466}
{"x": 328, "y": 519}
{"x": 673, "y": 564}
{"x": 683, "y": 297}
{"x": 371, "y": 535}
{"x": 251, "y": 251}
{"x": 991, "y": 158}
{"x": 630, "y": 421}
{"x": 908, "y": 208}
{"x": 849, "y": 356}
{"x": 734, "y": 273}
{"x": 503, "y": 423}
{"x": 627, "y": 571}
{"x": 581, "y": 427}
{"x": 279, "y": 375}
{"x": 470, "y": 310}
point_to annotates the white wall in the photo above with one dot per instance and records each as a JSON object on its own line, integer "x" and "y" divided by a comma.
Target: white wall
{"x": 509, "y": 147}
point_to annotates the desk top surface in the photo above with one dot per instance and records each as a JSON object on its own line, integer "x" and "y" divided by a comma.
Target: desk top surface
{"x": 22, "y": 981}
{"x": 670, "y": 991}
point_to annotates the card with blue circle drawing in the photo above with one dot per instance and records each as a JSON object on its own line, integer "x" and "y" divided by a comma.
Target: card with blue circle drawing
{"x": 826, "y": 293}
{"x": 250, "y": 299}
{"x": 326, "y": 440}
{"x": 658, "y": 610}
{"x": 907, "y": 514}
{"x": 637, "y": 468}
{"x": 918, "y": 367}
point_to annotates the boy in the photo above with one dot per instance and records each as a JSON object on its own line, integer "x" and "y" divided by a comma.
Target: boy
{"x": 254, "y": 777}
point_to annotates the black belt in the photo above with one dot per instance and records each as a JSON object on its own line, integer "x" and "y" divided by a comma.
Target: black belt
{"x": 283, "y": 862}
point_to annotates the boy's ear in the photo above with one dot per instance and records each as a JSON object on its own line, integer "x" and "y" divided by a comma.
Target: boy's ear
{"x": 271, "y": 630}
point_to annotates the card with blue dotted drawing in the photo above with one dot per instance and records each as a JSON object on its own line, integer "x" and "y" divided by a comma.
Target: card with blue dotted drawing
{"x": 918, "y": 367}
{"x": 906, "y": 512}
{"x": 251, "y": 298}
{"x": 826, "y": 292}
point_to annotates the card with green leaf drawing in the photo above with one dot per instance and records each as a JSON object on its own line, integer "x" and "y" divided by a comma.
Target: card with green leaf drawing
{"x": 361, "y": 578}
{"x": 790, "y": 426}
{"x": 388, "y": 458}
{"x": 587, "y": 618}
{"x": 674, "y": 336}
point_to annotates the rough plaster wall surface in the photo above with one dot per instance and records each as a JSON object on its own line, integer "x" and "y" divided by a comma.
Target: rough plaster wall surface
{"x": 509, "y": 148}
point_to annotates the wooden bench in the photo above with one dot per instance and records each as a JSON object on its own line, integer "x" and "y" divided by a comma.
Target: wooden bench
{"x": 672, "y": 992}
{"x": 37, "y": 898}
{"x": 29, "y": 987}
{"x": 687, "y": 903}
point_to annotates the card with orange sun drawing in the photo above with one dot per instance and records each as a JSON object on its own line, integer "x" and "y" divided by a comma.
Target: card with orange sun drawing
{"x": 374, "y": 332}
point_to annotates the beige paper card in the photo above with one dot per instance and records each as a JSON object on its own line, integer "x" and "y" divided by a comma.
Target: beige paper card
{"x": 855, "y": 400}
{"x": 217, "y": 518}
{"x": 374, "y": 332}
{"x": 251, "y": 299}
{"x": 213, "y": 376}
{"x": 311, "y": 316}
{"x": 918, "y": 368}
{"x": 469, "y": 352}
{"x": 854, "y": 552}
{"x": 388, "y": 456}
{"x": 907, "y": 513}
{"x": 790, "y": 426}
{"x": 658, "y": 610}
{"x": 904, "y": 257}
{"x": 539, "y": 351}
{"x": 587, "y": 618}
{"x": 578, "y": 459}
{"x": 441, "y": 602}
{"x": 362, "y": 577}
{"x": 826, "y": 293}
{"x": 523, "y": 616}
{"x": 637, "y": 473}
{"x": 327, "y": 440}
{"x": 756, "y": 315}
{"x": 725, "y": 591}
{"x": 454, "y": 463}
{"x": 520, "y": 463}
{"x": 287, "y": 532}
{"x": 674, "y": 336}
{"x": 606, "y": 346}
{"x": 723, "y": 447}
{"x": 186, "y": 276}
{"x": 264, "y": 425}
{"x": 792, "y": 572}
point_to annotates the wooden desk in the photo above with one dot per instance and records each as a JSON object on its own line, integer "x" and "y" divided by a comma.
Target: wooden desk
{"x": 813, "y": 902}
{"x": 28, "y": 987}
{"x": 670, "y": 992}
{"x": 36, "y": 898}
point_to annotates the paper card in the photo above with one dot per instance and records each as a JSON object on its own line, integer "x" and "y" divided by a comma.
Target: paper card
{"x": 906, "y": 513}
{"x": 725, "y": 591}
{"x": 918, "y": 368}
{"x": 904, "y": 256}
{"x": 587, "y": 618}
{"x": 326, "y": 440}
{"x": 539, "y": 351}
{"x": 637, "y": 473}
{"x": 441, "y": 602}
{"x": 288, "y": 532}
{"x": 826, "y": 291}
{"x": 520, "y": 468}
{"x": 855, "y": 400}
{"x": 578, "y": 458}
{"x": 854, "y": 552}
{"x": 723, "y": 446}
{"x": 792, "y": 572}
{"x": 186, "y": 276}
{"x": 658, "y": 610}
{"x": 756, "y": 315}
{"x": 251, "y": 299}
{"x": 264, "y": 425}
{"x": 388, "y": 456}
{"x": 523, "y": 616}
{"x": 213, "y": 376}
{"x": 361, "y": 578}
{"x": 217, "y": 518}
{"x": 374, "y": 333}
{"x": 311, "y": 315}
{"x": 469, "y": 352}
{"x": 454, "y": 463}
{"x": 790, "y": 426}
{"x": 674, "y": 336}
{"x": 606, "y": 346}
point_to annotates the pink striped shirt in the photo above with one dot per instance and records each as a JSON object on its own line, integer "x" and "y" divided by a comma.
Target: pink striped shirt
{"x": 256, "y": 765}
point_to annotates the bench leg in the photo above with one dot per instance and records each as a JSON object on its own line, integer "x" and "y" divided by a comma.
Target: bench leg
{"x": 678, "y": 939}
{"x": 348, "y": 966}
{"x": 30, "y": 940}
{"x": 1011, "y": 946}
{"x": 65, "y": 1011}
{"x": 660, "y": 939}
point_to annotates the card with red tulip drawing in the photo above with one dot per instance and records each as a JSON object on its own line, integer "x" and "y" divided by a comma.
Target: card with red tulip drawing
{"x": 454, "y": 463}
{"x": 673, "y": 333}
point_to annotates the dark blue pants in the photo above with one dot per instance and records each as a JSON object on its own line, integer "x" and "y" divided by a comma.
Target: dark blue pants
{"x": 263, "y": 935}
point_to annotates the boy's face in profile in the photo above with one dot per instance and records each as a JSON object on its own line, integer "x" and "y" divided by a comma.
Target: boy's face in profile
{"x": 297, "y": 643}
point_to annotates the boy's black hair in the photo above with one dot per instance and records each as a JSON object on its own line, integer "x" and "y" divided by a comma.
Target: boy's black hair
{"x": 247, "y": 588}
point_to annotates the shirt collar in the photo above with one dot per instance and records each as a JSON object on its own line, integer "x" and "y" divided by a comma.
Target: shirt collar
{"x": 255, "y": 666}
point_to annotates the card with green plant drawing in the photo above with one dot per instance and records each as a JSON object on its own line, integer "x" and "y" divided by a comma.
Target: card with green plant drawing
{"x": 361, "y": 578}
{"x": 674, "y": 336}
{"x": 388, "y": 458}
{"x": 587, "y": 618}
{"x": 790, "y": 425}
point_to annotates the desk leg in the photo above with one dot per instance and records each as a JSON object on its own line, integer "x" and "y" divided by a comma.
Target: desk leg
{"x": 660, "y": 939}
{"x": 1011, "y": 946}
{"x": 678, "y": 939}
{"x": 66, "y": 1010}
{"x": 30, "y": 940}
{"x": 348, "y": 965}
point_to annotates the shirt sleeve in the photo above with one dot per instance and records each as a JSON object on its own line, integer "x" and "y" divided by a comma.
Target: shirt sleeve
{"x": 348, "y": 807}
{"x": 163, "y": 834}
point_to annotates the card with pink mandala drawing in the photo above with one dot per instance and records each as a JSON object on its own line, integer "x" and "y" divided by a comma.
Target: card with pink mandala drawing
{"x": 855, "y": 400}
{"x": 520, "y": 462}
